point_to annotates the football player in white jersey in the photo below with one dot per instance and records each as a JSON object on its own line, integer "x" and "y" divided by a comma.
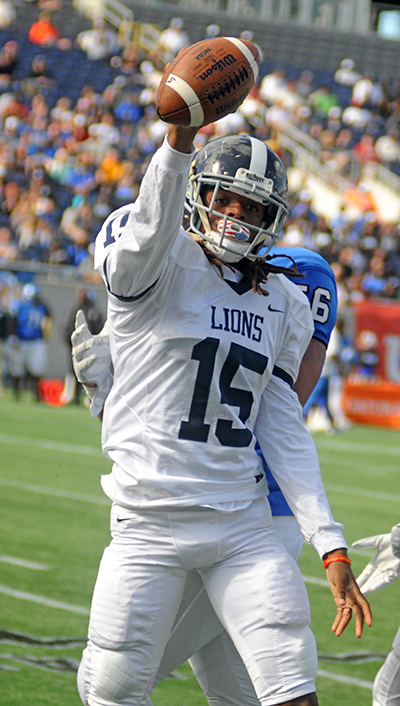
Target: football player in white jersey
{"x": 204, "y": 363}
{"x": 381, "y": 571}
{"x": 197, "y": 634}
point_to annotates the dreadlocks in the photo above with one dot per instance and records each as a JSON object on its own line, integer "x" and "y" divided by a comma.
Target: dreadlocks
{"x": 256, "y": 271}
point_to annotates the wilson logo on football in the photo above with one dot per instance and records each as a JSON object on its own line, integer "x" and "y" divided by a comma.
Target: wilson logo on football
{"x": 220, "y": 65}
{"x": 233, "y": 230}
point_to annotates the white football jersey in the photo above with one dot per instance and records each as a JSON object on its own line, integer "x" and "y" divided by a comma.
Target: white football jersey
{"x": 193, "y": 355}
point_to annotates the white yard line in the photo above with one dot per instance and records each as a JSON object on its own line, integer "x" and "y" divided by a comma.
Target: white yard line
{"x": 362, "y": 492}
{"x": 345, "y": 680}
{"x": 55, "y": 491}
{"x": 50, "y": 445}
{"x": 43, "y": 600}
{"x": 23, "y": 562}
{"x": 318, "y": 582}
{"x": 336, "y": 445}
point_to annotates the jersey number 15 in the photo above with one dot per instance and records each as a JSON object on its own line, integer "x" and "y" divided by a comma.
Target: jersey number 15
{"x": 195, "y": 428}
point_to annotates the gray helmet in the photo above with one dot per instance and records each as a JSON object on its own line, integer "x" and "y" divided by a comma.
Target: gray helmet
{"x": 246, "y": 166}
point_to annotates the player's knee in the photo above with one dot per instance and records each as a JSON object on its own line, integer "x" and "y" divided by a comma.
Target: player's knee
{"x": 116, "y": 679}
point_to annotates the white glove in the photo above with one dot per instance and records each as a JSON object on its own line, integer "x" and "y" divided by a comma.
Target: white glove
{"x": 385, "y": 565}
{"x": 91, "y": 359}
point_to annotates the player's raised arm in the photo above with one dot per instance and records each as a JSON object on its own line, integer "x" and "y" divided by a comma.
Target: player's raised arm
{"x": 135, "y": 241}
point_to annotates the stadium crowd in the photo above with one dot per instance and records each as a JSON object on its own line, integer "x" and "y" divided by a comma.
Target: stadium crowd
{"x": 66, "y": 163}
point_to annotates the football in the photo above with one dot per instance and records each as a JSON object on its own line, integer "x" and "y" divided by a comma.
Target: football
{"x": 207, "y": 80}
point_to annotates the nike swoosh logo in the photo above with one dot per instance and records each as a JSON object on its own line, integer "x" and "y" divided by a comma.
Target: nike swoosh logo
{"x": 270, "y": 308}
{"x": 122, "y": 519}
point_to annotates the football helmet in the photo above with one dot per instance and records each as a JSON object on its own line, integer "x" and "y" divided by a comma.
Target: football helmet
{"x": 246, "y": 166}
{"x": 30, "y": 291}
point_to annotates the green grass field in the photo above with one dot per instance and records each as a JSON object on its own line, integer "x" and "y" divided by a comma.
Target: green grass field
{"x": 54, "y": 526}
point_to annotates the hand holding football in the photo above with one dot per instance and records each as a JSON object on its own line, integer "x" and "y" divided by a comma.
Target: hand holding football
{"x": 207, "y": 81}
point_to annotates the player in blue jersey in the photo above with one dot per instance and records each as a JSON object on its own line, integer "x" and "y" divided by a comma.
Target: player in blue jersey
{"x": 198, "y": 635}
{"x": 27, "y": 348}
{"x": 319, "y": 286}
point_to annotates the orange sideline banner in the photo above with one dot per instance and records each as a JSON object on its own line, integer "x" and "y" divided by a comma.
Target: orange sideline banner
{"x": 376, "y": 403}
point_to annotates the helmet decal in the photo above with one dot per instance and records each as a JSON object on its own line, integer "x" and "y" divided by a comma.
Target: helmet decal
{"x": 259, "y": 156}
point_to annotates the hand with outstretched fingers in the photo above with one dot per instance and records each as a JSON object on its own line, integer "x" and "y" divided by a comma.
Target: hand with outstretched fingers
{"x": 348, "y": 599}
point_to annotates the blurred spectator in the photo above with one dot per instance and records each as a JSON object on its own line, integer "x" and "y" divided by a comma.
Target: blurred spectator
{"x": 8, "y": 284}
{"x": 374, "y": 280}
{"x": 322, "y": 100}
{"x": 361, "y": 198}
{"x": 98, "y": 42}
{"x": 212, "y": 31}
{"x": 303, "y": 208}
{"x": 40, "y": 77}
{"x": 364, "y": 150}
{"x": 368, "y": 355}
{"x": 8, "y": 248}
{"x": 272, "y": 85}
{"x": 8, "y": 63}
{"x": 17, "y": 106}
{"x": 171, "y": 41}
{"x": 111, "y": 168}
{"x": 127, "y": 62}
{"x": 356, "y": 117}
{"x": 328, "y": 145}
{"x": 340, "y": 160}
{"x": 43, "y": 31}
{"x": 27, "y": 348}
{"x": 7, "y": 13}
{"x": 362, "y": 90}
{"x": 305, "y": 83}
{"x": 78, "y": 222}
{"x": 387, "y": 148}
{"x": 128, "y": 108}
{"x": 346, "y": 75}
{"x": 105, "y": 131}
{"x": 322, "y": 411}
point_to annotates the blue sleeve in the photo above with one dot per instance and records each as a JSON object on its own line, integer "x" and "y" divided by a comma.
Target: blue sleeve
{"x": 319, "y": 286}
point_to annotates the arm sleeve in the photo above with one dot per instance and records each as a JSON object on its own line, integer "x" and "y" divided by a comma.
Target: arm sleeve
{"x": 134, "y": 242}
{"x": 292, "y": 457}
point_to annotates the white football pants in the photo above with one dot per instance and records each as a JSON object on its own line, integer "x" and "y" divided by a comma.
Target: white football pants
{"x": 254, "y": 586}
{"x": 386, "y": 691}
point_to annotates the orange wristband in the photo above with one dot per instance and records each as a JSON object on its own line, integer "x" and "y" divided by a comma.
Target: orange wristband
{"x": 331, "y": 559}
